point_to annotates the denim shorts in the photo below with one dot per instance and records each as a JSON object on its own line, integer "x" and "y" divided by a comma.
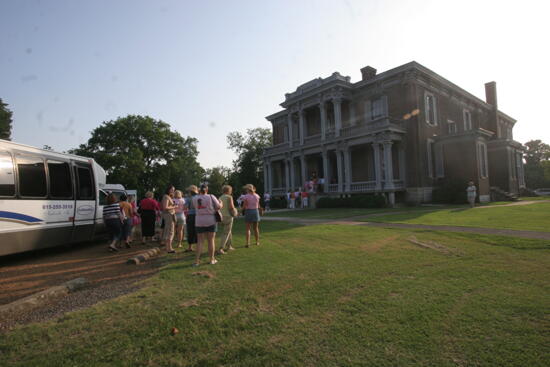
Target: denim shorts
{"x": 208, "y": 229}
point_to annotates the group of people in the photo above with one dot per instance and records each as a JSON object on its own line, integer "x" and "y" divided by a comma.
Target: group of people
{"x": 298, "y": 198}
{"x": 196, "y": 215}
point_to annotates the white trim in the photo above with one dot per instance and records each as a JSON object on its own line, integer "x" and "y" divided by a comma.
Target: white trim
{"x": 429, "y": 157}
{"x": 467, "y": 118}
{"x": 482, "y": 159}
{"x": 427, "y": 108}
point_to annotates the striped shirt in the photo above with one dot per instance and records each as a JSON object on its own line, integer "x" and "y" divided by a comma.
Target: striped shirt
{"x": 111, "y": 211}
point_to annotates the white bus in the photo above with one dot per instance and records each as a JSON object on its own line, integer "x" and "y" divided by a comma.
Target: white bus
{"x": 47, "y": 198}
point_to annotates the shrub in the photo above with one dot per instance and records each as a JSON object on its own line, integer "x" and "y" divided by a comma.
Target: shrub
{"x": 277, "y": 203}
{"x": 450, "y": 192}
{"x": 354, "y": 201}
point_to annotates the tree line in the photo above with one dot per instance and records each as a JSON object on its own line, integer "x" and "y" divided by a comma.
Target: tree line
{"x": 143, "y": 153}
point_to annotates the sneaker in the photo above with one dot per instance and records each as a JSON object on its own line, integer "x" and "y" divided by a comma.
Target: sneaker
{"x": 195, "y": 265}
{"x": 213, "y": 262}
{"x": 221, "y": 251}
{"x": 231, "y": 248}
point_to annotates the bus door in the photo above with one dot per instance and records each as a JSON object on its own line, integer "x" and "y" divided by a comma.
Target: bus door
{"x": 85, "y": 204}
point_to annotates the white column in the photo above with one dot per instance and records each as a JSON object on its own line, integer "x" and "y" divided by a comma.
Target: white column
{"x": 352, "y": 113}
{"x": 287, "y": 175}
{"x": 292, "y": 178}
{"x": 290, "y": 132}
{"x": 377, "y": 168}
{"x": 325, "y": 171}
{"x": 266, "y": 185}
{"x": 302, "y": 124}
{"x": 339, "y": 168}
{"x": 347, "y": 165}
{"x": 303, "y": 169}
{"x": 269, "y": 177}
{"x": 337, "y": 102}
{"x": 402, "y": 162}
{"x": 388, "y": 165}
{"x": 323, "y": 111}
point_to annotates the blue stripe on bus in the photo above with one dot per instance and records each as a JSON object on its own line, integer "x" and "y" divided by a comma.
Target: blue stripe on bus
{"x": 19, "y": 217}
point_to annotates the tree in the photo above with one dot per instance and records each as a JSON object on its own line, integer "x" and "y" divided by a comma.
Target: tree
{"x": 536, "y": 151}
{"x": 248, "y": 167}
{"x": 216, "y": 178}
{"x": 537, "y": 166}
{"x": 143, "y": 153}
{"x": 5, "y": 121}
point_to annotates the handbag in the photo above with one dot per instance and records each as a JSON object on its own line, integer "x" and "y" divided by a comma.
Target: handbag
{"x": 217, "y": 214}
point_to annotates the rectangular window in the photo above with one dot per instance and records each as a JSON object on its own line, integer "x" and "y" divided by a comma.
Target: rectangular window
{"x": 467, "y": 120}
{"x": 431, "y": 109}
{"x": 85, "y": 183}
{"x": 61, "y": 184}
{"x": 439, "y": 162}
{"x": 482, "y": 159}
{"x": 377, "y": 108}
{"x": 510, "y": 133}
{"x": 7, "y": 175}
{"x": 32, "y": 177}
{"x": 430, "y": 157}
{"x": 452, "y": 127}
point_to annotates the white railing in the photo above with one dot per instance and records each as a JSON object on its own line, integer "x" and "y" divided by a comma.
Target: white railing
{"x": 333, "y": 188}
{"x": 363, "y": 186}
{"x": 278, "y": 191}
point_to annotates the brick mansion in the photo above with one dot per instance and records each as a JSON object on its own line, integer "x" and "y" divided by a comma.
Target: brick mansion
{"x": 400, "y": 132}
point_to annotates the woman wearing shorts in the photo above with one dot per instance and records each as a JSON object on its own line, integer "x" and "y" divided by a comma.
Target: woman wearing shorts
{"x": 179, "y": 202}
{"x": 113, "y": 218}
{"x": 190, "y": 222}
{"x": 251, "y": 206}
{"x": 205, "y": 222}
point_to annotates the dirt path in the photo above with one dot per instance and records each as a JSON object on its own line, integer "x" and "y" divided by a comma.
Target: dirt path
{"x": 107, "y": 273}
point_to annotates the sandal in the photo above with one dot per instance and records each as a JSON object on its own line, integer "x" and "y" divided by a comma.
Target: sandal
{"x": 188, "y": 250}
{"x": 113, "y": 249}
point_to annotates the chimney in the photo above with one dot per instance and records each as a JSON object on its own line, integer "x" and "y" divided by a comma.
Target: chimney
{"x": 491, "y": 93}
{"x": 368, "y": 73}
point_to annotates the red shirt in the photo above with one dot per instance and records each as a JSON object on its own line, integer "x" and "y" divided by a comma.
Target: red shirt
{"x": 149, "y": 204}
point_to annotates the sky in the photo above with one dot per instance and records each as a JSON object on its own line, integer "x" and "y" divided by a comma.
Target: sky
{"x": 211, "y": 67}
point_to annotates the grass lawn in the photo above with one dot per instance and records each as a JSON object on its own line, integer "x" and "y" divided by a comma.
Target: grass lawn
{"x": 339, "y": 213}
{"x": 533, "y": 217}
{"x": 325, "y": 295}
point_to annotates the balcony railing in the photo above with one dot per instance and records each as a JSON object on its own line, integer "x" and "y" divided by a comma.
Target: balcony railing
{"x": 333, "y": 188}
{"x": 346, "y": 132}
{"x": 278, "y": 191}
{"x": 363, "y": 186}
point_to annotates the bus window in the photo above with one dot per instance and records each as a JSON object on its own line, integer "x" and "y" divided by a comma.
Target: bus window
{"x": 85, "y": 184}
{"x": 102, "y": 198}
{"x": 61, "y": 185}
{"x": 32, "y": 177}
{"x": 7, "y": 177}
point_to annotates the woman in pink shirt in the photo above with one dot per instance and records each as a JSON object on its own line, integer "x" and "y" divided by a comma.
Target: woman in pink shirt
{"x": 205, "y": 223}
{"x": 251, "y": 206}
